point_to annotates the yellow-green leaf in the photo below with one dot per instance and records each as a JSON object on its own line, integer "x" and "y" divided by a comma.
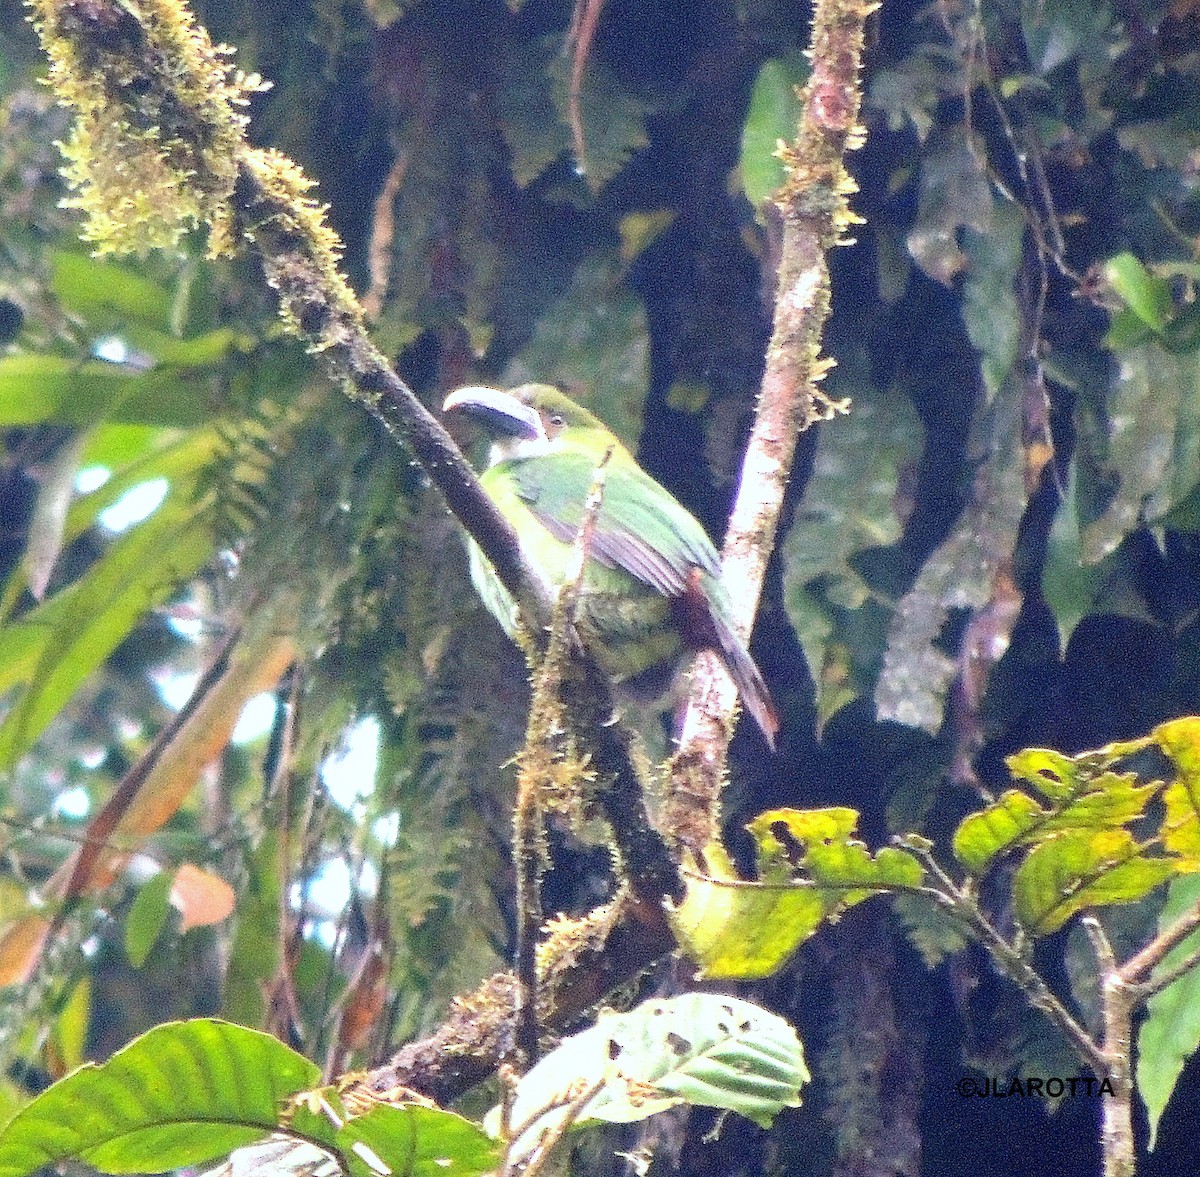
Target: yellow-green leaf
{"x": 732, "y": 928}
{"x": 982, "y": 836}
{"x": 1072, "y": 871}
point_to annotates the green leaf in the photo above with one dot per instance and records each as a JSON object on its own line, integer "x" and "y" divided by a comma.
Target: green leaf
{"x": 929, "y": 929}
{"x": 1058, "y": 30}
{"x": 528, "y": 120}
{"x": 852, "y": 504}
{"x": 909, "y": 94}
{"x": 1152, "y": 453}
{"x": 810, "y": 868}
{"x": 700, "y": 1048}
{"x": 181, "y": 1094}
{"x": 641, "y": 229}
{"x": 1093, "y": 835}
{"x": 146, "y": 917}
{"x": 971, "y": 568}
{"x": 838, "y": 679}
{"x": 1147, "y": 295}
{"x": 115, "y": 445}
{"x": 991, "y": 312}
{"x": 1069, "y": 585}
{"x": 955, "y": 192}
{"x": 108, "y": 294}
{"x": 255, "y": 953}
{"x": 1170, "y": 1032}
{"x": 177, "y": 356}
{"x": 176, "y": 457}
{"x": 36, "y": 388}
{"x": 422, "y": 1142}
{"x": 773, "y": 115}
{"x": 408, "y": 1139}
{"x": 154, "y": 454}
{"x": 614, "y": 119}
{"x": 1126, "y": 330}
{"x": 48, "y": 525}
{"x": 69, "y": 1034}
{"x": 1074, "y": 870}
{"x": 965, "y": 571}
{"x": 53, "y": 648}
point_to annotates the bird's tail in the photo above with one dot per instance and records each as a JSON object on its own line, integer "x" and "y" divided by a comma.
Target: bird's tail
{"x": 756, "y": 697}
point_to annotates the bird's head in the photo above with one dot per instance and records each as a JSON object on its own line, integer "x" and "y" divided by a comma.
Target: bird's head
{"x": 526, "y": 421}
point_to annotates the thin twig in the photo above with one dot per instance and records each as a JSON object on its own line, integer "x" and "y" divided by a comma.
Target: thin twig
{"x": 1137, "y": 968}
{"x": 545, "y": 1146}
{"x": 1167, "y": 977}
{"x": 1010, "y": 961}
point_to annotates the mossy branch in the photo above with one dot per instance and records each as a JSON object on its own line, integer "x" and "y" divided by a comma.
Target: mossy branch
{"x": 547, "y": 767}
{"x": 815, "y": 211}
{"x": 158, "y": 148}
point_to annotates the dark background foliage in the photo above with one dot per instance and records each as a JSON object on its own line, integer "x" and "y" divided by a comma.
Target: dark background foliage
{"x": 997, "y": 548}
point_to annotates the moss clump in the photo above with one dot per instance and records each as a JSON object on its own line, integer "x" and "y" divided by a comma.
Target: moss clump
{"x": 301, "y": 251}
{"x": 159, "y": 120}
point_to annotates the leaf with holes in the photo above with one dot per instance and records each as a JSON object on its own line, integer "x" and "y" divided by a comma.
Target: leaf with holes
{"x": 1081, "y": 792}
{"x": 699, "y": 1048}
{"x": 839, "y": 866}
{"x": 810, "y": 868}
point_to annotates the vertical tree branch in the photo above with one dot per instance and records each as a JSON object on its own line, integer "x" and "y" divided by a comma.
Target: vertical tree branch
{"x": 814, "y": 207}
{"x": 1117, "y": 1001}
{"x": 536, "y": 771}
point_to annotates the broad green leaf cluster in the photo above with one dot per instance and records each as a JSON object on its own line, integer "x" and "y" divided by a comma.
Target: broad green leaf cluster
{"x": 185, "y": 1093}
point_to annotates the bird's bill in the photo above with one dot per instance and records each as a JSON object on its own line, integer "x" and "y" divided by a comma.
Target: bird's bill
{"x": 497, "y": 411}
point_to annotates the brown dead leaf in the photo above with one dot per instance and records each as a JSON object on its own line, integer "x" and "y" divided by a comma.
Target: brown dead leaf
{"x": 200, "y": 897}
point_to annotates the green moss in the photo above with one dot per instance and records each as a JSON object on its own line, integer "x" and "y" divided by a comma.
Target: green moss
{"x": 159, "y": 123}
{"x": 284, "y": 200}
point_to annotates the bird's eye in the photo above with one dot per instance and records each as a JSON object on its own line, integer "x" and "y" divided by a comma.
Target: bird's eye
{"x": 557, "y": 421}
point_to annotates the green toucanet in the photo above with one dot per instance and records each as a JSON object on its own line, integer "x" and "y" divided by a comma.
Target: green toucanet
{"x": 652, "y": 587}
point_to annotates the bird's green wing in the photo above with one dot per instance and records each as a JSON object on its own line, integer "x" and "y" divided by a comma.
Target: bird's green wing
{"x": 641, "y": 527}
